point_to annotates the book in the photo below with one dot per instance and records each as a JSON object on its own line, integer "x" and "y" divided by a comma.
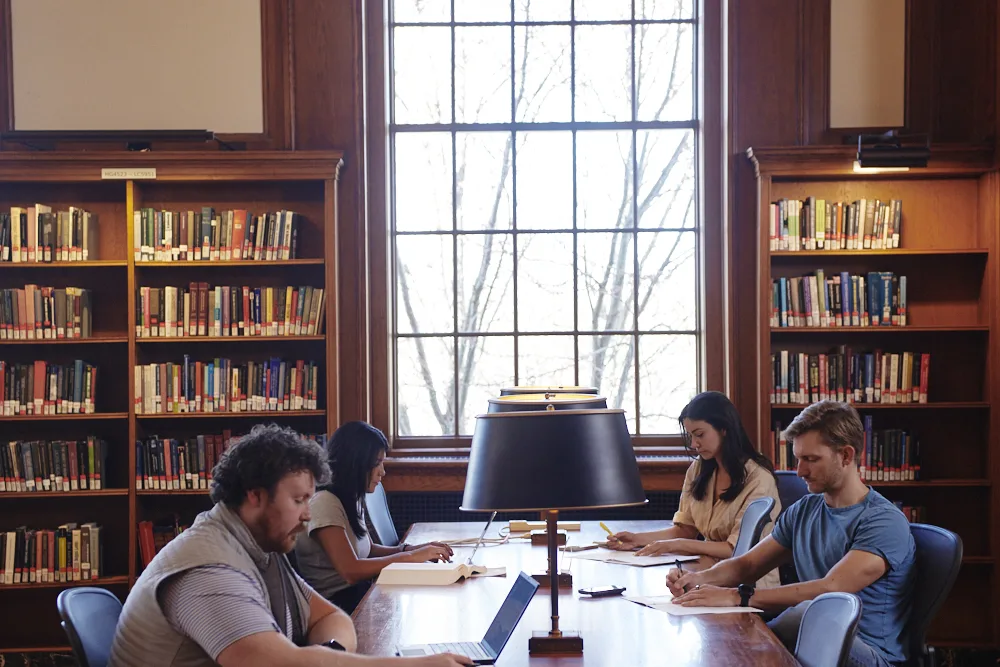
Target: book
{"x": 434, "y": 574}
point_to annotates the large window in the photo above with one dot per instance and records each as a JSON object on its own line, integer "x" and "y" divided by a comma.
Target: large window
{"x": 544, "y": 227}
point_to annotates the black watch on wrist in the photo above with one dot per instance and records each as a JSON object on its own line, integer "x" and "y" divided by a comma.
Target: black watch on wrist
{"x": 746, "y": 592}
{"x": 334, "y": 645}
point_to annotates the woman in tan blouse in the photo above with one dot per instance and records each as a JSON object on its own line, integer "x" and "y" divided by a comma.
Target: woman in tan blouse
{"x": 727, "y": 475}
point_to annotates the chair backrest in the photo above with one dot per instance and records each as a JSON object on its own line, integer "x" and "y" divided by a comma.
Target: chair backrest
{"x": 377, "y": 506}
{"x": 827, "y": 630}
{"x": 756, "y": 516}
{"x": 939, "y": 557}
{"x": 89, "y": 616}
{"x": 791, "y": 487}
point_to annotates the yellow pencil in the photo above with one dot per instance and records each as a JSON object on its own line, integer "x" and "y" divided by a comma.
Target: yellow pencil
{"x": 607, "y": 530}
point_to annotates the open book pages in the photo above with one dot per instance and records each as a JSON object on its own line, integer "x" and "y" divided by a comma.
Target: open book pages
{"x": 434, "y": 574}
{"x": 629, "y": 558}
{"x": 665, "y": 603}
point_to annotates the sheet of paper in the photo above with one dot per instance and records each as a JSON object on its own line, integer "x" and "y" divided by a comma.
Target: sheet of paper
{"x": 665, "y": 603}
{"x": 629, "y": 558}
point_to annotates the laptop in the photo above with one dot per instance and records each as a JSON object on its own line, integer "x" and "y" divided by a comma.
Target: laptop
{"x": 487, "y": 651}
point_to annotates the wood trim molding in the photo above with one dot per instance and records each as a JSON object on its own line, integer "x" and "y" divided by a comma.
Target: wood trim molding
{"x": 6, "y": 69}
{"x": 278, "y": 88}
{"x": 959, "y": 159}
{"x": 448, "y": 473}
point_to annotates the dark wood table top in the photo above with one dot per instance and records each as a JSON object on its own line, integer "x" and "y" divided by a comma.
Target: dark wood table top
{"x": 615, "y": 631}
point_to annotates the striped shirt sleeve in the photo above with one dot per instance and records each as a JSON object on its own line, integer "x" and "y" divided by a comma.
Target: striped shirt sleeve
{"x": 215, "y": 606}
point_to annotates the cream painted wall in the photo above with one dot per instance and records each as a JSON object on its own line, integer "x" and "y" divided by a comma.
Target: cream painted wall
{"x": 867, "y": 63}
{"x": 137, "y": 64}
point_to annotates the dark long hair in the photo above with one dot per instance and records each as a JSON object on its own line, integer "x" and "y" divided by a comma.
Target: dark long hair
{"x": 352, "y": 453}
{"x": 716, "y": 409}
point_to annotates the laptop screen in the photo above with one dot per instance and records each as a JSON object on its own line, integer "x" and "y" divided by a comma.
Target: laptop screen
{"x": 510, "y": 612}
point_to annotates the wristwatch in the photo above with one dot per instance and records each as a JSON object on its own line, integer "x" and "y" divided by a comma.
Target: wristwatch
{"x": 334, "y": 645}
{"x": 746, "y": 592}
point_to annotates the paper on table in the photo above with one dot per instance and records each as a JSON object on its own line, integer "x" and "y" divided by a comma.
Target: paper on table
{"x": 629, "y": 558}
{"x": 665, "y": 603}
{"x": 489, "y": 572}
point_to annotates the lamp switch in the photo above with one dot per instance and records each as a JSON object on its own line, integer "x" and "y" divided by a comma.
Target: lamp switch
{"x": 541, "y": 537}
{"x": 520, "y": 526}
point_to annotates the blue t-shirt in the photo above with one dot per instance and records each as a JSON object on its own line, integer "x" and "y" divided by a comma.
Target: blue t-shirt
{"x": 819, "y": 536}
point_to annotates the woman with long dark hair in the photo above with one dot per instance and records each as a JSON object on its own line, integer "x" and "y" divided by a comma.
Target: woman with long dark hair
{"x": 726, "y": 476}
{"x": 338, "y": 558}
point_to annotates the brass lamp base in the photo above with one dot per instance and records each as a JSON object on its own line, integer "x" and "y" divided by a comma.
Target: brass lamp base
{"x": 544, "y": 643}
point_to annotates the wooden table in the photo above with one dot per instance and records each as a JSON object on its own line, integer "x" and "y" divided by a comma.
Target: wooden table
{"x": 615, "y": 631}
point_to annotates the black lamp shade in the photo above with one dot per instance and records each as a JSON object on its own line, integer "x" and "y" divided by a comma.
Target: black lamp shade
{"x": 550, "y": 401}
{"x": 552, "y": 460}
{"x": 542, "y": 389}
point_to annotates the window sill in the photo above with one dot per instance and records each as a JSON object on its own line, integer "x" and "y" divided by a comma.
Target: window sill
{"x": 426, "y": 471}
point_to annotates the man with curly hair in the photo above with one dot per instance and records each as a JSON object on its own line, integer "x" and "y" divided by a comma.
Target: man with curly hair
{"x": 223, "y": 592}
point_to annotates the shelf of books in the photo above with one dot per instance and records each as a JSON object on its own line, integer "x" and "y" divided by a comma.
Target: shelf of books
{"x": 879, "y": 289}
{"x": 152, "y": 306}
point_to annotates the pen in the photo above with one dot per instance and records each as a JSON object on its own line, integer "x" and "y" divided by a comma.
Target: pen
{"x": 681, "y": 570}
{"x": 611, "y": 536}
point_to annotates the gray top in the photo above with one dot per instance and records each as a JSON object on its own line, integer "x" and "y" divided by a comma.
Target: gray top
{"x": 315, "y": 566}
{"x": 217, "y": 605}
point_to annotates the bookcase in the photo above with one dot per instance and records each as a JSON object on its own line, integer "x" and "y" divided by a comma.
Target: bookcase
{"x": 115, "y": 188}
{"x": 948, "y": 253}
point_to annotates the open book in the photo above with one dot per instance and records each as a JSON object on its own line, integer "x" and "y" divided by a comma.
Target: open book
{"x": 434, "y": 574}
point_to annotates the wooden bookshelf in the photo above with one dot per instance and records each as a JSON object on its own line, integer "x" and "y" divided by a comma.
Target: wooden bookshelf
{"x": 304, "y": 182}
{"x": 948, "y": 251}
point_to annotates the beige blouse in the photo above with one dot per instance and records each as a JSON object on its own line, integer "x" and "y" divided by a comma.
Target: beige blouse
{"x": 719, "y": 521}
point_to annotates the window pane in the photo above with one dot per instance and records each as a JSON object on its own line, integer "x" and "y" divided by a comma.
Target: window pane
{"x": 545, "y": 180}
{"x": 664, "y": 61}
{"x": 603, "y": 72}
{"x": 485, "y": 366}
{"x": 482, "y": 75}
{"x": 605, "y": 281}
{"x": 421, "y": 11}
{"x": 542, "y": 78}
{"x": 664, "y": 9}
{"x": 546, "y": 360}
{"x": 666, "y": 178}
{"x": 421, "y": 60}
{"x": 424, "y": 284}
{"x": 541, "y": 10}
{"x": 484, "y": 180}
{"x": 603, "y": 10}
{"x": 667, "y": 281}
{"x": 603, "y": 180}
{"x": 479, "y": 11}
{"x": 608, "y": 363}
{"x": 668, "y": 367}
{"x": 486, "y": 282}
{"x": 425, "y": 386}
{"x": 545, "y": 282}
{"x": 422, "y": 175}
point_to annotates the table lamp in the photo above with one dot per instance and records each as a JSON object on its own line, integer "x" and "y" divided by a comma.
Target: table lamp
{"x": 547, "y": 389}
{"x": 549, "y": 461}
{"x": 549, "y": 401}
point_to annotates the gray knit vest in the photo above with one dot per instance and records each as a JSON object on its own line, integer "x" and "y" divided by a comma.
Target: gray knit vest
{"x": 218, "y": 537}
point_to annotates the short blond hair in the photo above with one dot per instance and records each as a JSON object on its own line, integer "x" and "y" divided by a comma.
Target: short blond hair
{"x": 838, "y": 425}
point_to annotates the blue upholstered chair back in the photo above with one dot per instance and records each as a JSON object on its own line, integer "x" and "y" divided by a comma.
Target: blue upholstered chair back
{"x": 89, "y": 616}
{"x": 755, "y": 518}
{"x": 827, "y": 630}
{"x": 377, "y": 506}
{"x": 939, "y": 557}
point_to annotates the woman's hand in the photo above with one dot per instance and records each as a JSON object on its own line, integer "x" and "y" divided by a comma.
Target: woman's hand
{"x": 411, "y": 547}
{"x": 625, "y": 541}
{"x": 431, "y": 551}
{"x": 675, "y": 546}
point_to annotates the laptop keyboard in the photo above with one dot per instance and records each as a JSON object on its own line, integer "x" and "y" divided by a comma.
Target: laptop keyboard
{"x": 471, "y": 649}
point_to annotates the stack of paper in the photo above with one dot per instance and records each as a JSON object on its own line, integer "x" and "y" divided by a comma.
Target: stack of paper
{"x": 665, "y": 603}
{"x": 629, "y": 558}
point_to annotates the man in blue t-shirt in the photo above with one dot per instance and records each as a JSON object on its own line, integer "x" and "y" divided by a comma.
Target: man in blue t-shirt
{"x": 844, "y": 537}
